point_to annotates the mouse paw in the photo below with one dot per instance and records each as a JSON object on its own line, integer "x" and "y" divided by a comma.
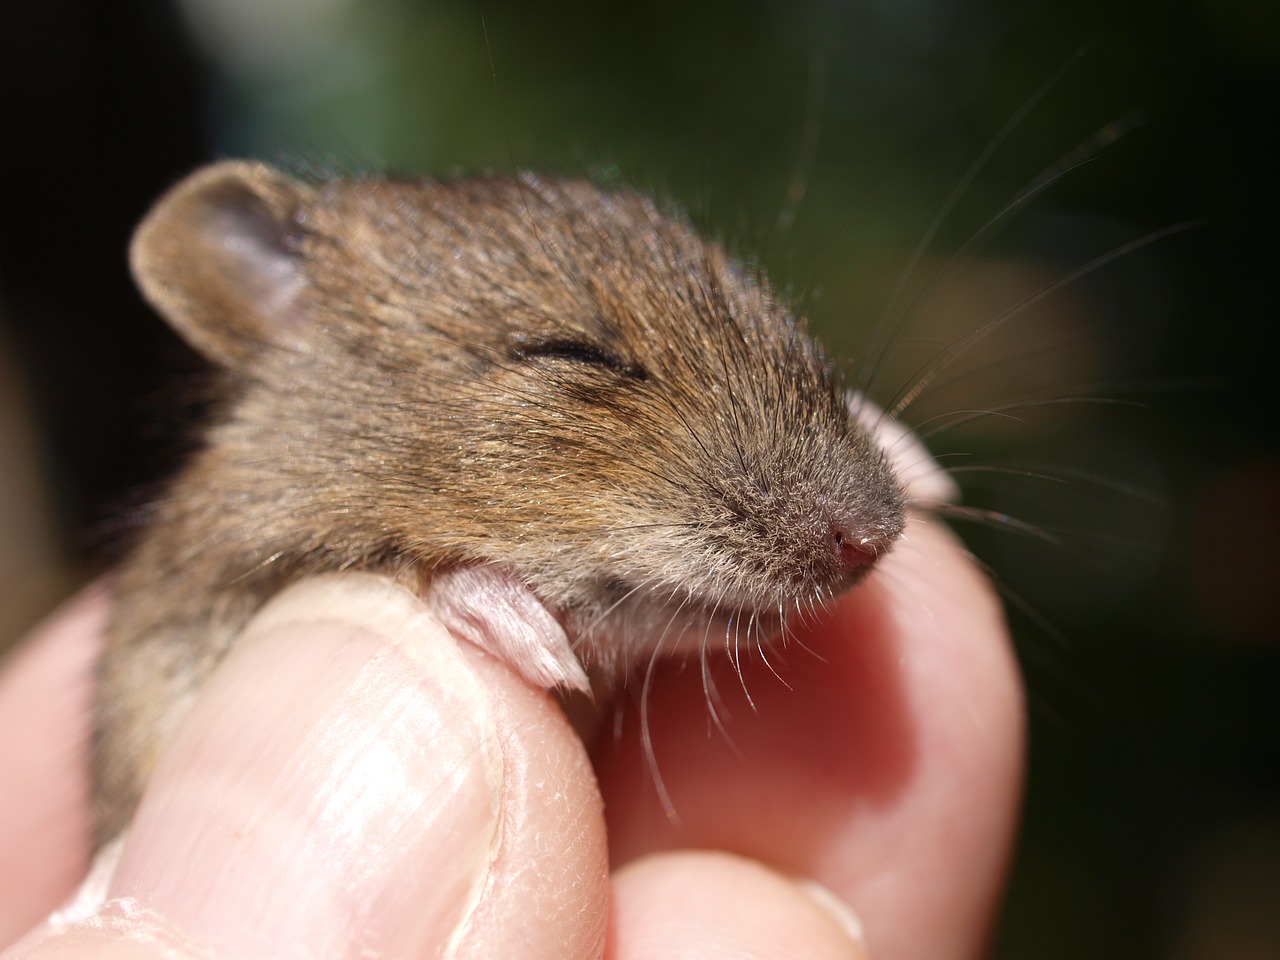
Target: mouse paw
{"x": 491, "y": 608}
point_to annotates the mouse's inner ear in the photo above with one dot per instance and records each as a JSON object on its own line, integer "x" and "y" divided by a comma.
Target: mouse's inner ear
{"x": 216, "y": 256}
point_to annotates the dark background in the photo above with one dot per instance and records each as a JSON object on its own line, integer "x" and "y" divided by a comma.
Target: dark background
{"x": 1147, "y": 626}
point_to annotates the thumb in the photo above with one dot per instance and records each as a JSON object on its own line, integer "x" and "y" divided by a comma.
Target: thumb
{"x": 353, "y": 783}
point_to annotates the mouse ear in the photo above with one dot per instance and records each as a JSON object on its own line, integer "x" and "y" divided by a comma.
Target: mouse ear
{"x": 216, "y": 257}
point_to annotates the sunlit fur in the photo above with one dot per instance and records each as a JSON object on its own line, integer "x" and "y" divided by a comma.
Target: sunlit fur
{"x": 537, "y": 374}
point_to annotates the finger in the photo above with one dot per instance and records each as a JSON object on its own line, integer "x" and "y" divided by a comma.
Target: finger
{"x": 45, "y": 692}
{"x": 713, "y": 906}
{"x": 351, "y": 783}
{"x": 887, "y": 766}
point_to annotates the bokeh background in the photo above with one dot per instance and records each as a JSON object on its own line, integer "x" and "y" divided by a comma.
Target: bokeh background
{"x": 1128, "y": 496}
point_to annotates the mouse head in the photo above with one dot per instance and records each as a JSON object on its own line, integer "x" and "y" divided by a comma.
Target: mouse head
{"x": 539, "y": 374}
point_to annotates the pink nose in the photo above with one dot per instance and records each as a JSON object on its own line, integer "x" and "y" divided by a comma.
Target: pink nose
{"x": 853, "y": 552}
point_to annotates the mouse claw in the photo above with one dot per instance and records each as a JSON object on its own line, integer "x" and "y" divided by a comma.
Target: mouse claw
{"x": 491, "y": 608}
{"x": 923, "y": 481}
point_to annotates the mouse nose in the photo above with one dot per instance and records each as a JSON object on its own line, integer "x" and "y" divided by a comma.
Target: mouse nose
{"x": 852, "y": 551}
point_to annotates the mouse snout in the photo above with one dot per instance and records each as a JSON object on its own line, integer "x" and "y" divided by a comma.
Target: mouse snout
{"x": 852, "y": 551}
{"x": 854, "y": 544}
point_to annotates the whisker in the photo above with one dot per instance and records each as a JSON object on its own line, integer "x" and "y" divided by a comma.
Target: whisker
{"x": 733, "y": 637}
{"x": 976, "y": 241}
{"x": 646, "y": 726}
{"x": 764, "y": 658}
{"x": 1062, "y": 474}
{"x": 808, "y": 149}
{"x": 715, "y": 703}
{"x": 963, "y": 344}
{"x": 1016, "y": 600}
{"x": 995, "y": 519}
{"x": 960, "y": 418}
{"x": 958, "y": 191}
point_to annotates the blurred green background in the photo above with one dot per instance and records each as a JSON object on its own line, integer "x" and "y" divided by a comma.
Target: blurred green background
{"x": 821, "y": 139}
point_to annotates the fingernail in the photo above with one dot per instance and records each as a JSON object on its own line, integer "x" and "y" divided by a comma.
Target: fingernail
{"x": 341, "y": 762}
{"x": 836, "y": 909}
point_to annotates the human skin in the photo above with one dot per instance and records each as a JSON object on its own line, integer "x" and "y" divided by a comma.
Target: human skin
{"x": 353, "y": 782}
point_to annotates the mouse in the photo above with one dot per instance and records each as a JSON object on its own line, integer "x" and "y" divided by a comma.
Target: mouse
{"x": 583, "y": 433}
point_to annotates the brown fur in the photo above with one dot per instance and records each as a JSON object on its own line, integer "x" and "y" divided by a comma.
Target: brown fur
{"x": 536, "y": 374}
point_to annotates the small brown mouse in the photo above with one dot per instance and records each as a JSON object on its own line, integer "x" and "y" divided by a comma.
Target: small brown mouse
{"x": 549, "y": 406}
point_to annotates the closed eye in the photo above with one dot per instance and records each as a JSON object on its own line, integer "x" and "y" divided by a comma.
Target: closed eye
{"x": 580, "y": 351}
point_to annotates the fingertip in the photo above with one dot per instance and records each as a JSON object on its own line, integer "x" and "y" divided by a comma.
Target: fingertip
{"x": 714, "y": 905}
{"x": 880, "y": 755}
{"x": 350, "y": 781}
{"x": 46, "y": 688}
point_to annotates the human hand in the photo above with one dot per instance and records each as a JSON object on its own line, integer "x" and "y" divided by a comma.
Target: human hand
{"x": 352, "y": 782}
